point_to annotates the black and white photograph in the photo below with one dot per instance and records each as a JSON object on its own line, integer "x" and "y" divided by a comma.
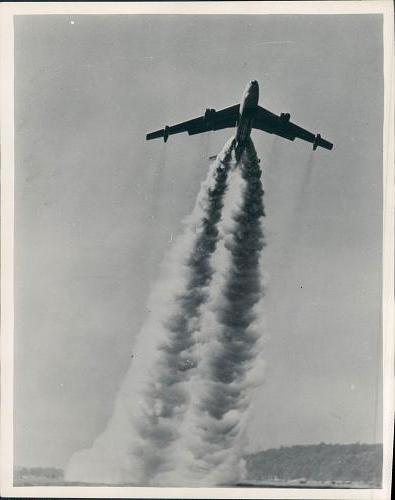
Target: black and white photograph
{"x": 197, "y": 249}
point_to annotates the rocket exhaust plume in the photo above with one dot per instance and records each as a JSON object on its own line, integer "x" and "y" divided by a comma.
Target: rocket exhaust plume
{"x": 167, "y": 396}
{"x": 213, "y": 438}
{"x": 181, "y": 412}
{"x": 153, "y": 396}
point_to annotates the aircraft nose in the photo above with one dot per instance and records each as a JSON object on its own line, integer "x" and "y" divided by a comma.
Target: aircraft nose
{"x": 251, "y": 91}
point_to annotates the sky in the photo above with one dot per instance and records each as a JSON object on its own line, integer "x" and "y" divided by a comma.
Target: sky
{"x": 97, "y": 207}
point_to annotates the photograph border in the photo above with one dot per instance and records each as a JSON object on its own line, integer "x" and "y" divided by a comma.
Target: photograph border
{"x": 11, "y": 9}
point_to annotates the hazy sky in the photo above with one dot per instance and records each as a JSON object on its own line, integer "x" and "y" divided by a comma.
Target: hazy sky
{"x": 96, "y": 208}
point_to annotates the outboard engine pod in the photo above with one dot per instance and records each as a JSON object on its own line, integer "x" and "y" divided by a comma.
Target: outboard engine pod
{"x": 285, "y": 117}
{"x": 208, "y": 116}
{"x": 166, "y": 133}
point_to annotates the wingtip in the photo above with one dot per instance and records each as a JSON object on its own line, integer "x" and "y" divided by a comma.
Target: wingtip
{"x": 319, "y": 141}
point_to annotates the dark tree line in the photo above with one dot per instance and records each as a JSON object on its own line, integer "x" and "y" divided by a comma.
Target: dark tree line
{"x": 41, "y": 472}
{"x": 322, "y": 462}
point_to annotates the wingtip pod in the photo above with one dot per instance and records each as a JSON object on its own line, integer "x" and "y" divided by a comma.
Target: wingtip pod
{"x": 166, "y": 133}
{"x": 321, "y": 142}
{"x": 316, "y": 141}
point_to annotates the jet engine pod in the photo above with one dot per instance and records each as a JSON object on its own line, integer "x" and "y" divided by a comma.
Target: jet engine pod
{"x": 166, "y": 133}
{"x": 208, "y": 116}
{"x": 285, "y": 117}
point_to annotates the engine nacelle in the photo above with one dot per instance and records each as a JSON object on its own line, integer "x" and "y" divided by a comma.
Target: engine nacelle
{"x": 285, "y": 117}
{"x": 208, "y": 116}
{"x": 166, "y": 133}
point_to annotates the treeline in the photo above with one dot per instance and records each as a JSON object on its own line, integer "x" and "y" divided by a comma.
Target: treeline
{"x": 21, "y": 473}
{"x": 322, "y": 462}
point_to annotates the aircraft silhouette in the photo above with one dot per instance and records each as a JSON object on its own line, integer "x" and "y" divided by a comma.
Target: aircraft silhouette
{"x": 244, "y": 117}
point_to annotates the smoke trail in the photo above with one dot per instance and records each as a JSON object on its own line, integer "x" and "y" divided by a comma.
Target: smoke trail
{"x": 167, "y": 396}
{"x": 153, "y": 397}
{"x": 297, "y": 220}
{"x": 213, "y": 437}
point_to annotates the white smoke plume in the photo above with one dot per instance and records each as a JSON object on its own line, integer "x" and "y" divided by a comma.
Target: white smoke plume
{"x": 212, "y": 438}
{"x": 181, "y": 413}
{"x": 153, "y": 397}
{"x": 167, "y": 396}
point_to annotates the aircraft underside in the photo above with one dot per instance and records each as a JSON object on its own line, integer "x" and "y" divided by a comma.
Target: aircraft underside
{"x": 244, "y": 117}
{"x": 243, "y": 132}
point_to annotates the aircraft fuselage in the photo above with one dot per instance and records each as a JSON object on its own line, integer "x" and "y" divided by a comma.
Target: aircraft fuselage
{"x": 248, "y": 107}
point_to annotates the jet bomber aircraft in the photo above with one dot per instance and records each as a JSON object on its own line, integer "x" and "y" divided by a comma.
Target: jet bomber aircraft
{"x": 244, "y": 117}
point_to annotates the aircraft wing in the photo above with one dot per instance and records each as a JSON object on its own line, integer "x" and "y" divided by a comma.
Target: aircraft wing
{"x": 280, "y": 125}
{"x": 211, "y": 120}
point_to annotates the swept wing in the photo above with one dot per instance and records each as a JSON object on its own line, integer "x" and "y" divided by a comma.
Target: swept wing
{"x": 211, "y": 120}
{"x": 280, "y": 125}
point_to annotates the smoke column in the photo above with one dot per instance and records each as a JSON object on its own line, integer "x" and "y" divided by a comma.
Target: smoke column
{"x": 181, "y": 413}
{"x": 213, "y": 437}
{"x": 153, "y": 397}
{"x": 167, "y": 397}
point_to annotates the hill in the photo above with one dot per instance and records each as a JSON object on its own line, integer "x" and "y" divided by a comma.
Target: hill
{"x": 340, "y": 463}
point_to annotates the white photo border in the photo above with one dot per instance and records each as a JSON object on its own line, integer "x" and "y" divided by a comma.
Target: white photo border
{"x": 11, "y": 9}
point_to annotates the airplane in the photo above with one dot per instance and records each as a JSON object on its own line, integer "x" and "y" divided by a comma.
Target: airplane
{"x": 244, "y": 117}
